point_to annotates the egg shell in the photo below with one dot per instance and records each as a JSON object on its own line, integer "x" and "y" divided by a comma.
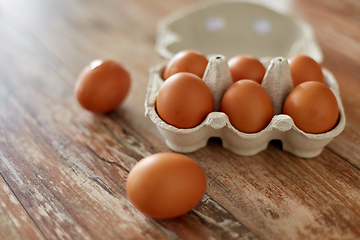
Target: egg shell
{"x": 277, "y": 81}
{"x": 165, "y": 185}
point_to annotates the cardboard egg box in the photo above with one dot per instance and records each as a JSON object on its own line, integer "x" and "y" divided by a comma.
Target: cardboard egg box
{"x": 278, "y": 35}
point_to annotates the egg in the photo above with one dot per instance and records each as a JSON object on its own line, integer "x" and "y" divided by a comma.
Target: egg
{"x": 248, "y": 106}
{"x": 313, "y": 107}
{"x": 246, "y": 67}
{"x": 184, "y": 100}
{"x": 165, "y": 185}
{"x": 102, "y": 86}
{"x": 186, "y": 61}
{"x": 303, "y": 68}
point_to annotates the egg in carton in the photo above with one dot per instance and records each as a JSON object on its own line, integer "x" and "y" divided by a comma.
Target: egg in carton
{"x": 287, "y": 36}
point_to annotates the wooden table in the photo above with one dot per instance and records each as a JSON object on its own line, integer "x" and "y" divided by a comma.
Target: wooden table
{"x": 63, "y": 169}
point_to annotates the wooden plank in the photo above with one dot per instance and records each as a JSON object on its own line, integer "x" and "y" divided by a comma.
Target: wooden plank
{"x": 15, "y": 222}
{"x": 279, "y": 196}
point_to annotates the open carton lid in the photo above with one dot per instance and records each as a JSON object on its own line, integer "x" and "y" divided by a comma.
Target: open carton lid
{"x": 230, "y": 28}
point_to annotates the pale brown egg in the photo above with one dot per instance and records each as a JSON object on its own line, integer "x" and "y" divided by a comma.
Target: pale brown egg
{"x": 313, "y": 107}
{"x": 186, "y": 61}
{"x": 248, "y": 106}
{"x": 246, "y": 67}
{"x": 165, "y": 185}
{"x": 184, "y": 100}
{"x": 303, "y": 68}
{"x": 102, "y": 86}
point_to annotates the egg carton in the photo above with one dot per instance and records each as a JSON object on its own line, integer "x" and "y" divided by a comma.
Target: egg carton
{"x": 277, "y": 82}
{"x": 231, "y": 28}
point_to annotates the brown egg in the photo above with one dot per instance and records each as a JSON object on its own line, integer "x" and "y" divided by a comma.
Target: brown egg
{"x": 313, "y": 107}
{"x": 184, "y": 100}
{"x": 186, "y": 61}
{"x": 248, "y": 106}
{"x": 102, "y": 86}
{"x": 165, "y": 185}
{"x": 303, "y": 68}
{"x": 246, "y": 67}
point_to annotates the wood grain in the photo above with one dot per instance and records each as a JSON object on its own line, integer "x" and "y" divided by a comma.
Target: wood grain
{"x": 63, "y": 170}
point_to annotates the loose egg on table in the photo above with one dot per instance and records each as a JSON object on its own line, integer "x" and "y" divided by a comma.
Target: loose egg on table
{"x": 102, "y": 86}
{"x": 165, "y": 185}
